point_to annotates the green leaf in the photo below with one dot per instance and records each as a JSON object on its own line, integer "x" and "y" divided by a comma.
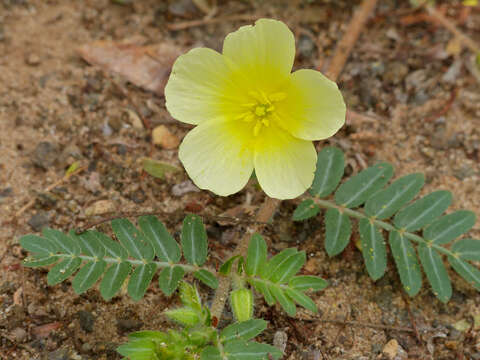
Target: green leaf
{"x": 272, "y": 265}
{"x": 385, "y": 203}
{"x": 133, "y": 240}
{"x": 329, "y": 172}
{"x": 355, "y": 191}
{"x": 62, "y": 242}
{"x": 406, "y": 261}
{"x": 467, "y": 249}
{"x": 306, "y": 282}
{"x": 189, "y": 296}
{"x": 37, "y": 245}
{"x": 449, "y": 227}
{"x": 169, "y": 278}
{"x": 227, "y": 266}
{"x": 306, "y": 210}
{"x": 423, "y": 211}
{"x": 113, "y": 249}
{"x": 262, "y": 288}
{"x": 373, "y": 249}
{"x": 470, "y": 273}
{"x": 185, "y": 316}
{"x": 88, "y": 276}
{"x": 338, "y": 230}
{"x": 245, "y": 330}
{"x": 158, "y": 169}
{"x": 286, "y": 269}
{"x": 39, "y": 260}
{"x": 287, "y": 304}
{"x": 89, "y": 243}
{"x": 256, "y": 255}
{"x": 143, "y": 349}
{"x": 140, "y": 279}
{"x": 436, "y": 273}
{"x": 194, "y": 240}
{"x": 63, "y": 270}
{"x": 157, "y": 336}
{"x": 206, "y": 277}
{"x": 211, "y": 353}
{"x": 301, "y": 299}
{"x": 241, "y": 350}
{"x": 164, "y": 244}
{"x": 114, "y": 279}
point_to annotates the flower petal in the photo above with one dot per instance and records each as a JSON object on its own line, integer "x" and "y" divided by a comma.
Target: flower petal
{"x": 314, "y": 108}
{"x": 264, "y": 52}
{"x": 200, "y": 86}
{"x": 284, "y": 165}
{"x": 217, "y": 157}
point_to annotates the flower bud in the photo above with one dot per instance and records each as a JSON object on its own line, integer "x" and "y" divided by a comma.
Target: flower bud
{"x": 241, "y": 301}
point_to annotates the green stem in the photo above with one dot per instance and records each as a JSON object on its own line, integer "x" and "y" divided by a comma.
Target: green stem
{"x": 382, "y": 224}
{"x": 160, "y": 264}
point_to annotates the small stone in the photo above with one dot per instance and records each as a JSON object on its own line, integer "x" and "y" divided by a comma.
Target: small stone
{"x": 87, "y": 347}
{"x": 100, "y": 207}
{"x": 38, "y": 221}
{"x": 163, "y": 137}
{"x": 45, "y": 154}
{"x": 86, "y": 320}
{"x": 184, "y": 188}
{"x": 183, "y": 8}
{"x": 280, "y": 340}
{"x": 128, "y": 325}
{"x": 32, "y": 59}
{"x": 395, "y": 73}
{"x": 390, "y": 350}
{"x": 306, "y": 46}
{"x": 61, "y": 354}
{"x": 19, "y": 334}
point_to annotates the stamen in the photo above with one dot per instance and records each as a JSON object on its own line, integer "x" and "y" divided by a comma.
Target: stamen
{"x": 256, "y": 128}
{"x": 278, "y": 96}
{"x": 260, "y": 111}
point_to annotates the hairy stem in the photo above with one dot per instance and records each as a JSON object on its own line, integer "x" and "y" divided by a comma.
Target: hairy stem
{"x": 382, "y": 224}
{"x": 264, "y": 214}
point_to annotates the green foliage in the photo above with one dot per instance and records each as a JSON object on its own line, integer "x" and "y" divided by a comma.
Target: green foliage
{"x": 138, "y": 254}
{"x": 417, "y": 231}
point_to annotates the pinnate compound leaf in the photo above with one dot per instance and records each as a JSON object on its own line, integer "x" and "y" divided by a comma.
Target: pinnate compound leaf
{"x": 338, "y": 229}
{"x": 423, "y": 211}
{"x": 206, "y": 277}
{"x": 133, "y": 240}
{"x": 89, "y": 243}
{"x": 63, "y": 270}
{"x": 467, "y": 249}
{"x": 62, "y": 242}
{"x": 88, "y": 275}
{"x": 241, "y": 350}
{"x": 373, "y": 249}
{"x": 140, "y": 279}
{"x": 263, "y": 289}
{"x": 38, "y": 245}
{"x": 256, "y": 255}
{"x": 470, "y": 273}
{"x": 356, "y": 190}
{"x": 227, "y": 265}
{"x": 301, "y": 299}
{"x": 194, "y": 240}
{"x": 287, "y": 304}
{"x": 185, "y": 316}
{"x": 306, "y": 210}
{"x": 114, "y": 279}
{"x": 436, "y": 273}
{"x": 169, "y": 278}
{"x": 387, "y": 202}
{"x": 276, "y": 261}
{"x": 288, "y": 267}
{"x": 449, "y": 227}
{"x": 329, "y": 172}
{"x": 406, "y": 261}
{"x": 211, "y": 353}
{"x": 244, "y": 330}
{"x": 165, "y": 246}
{"x": 306, "y": 282}
{"x": 141, "y": 349}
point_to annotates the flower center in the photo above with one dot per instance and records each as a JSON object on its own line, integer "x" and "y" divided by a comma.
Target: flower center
{"x": 261, "y": 110}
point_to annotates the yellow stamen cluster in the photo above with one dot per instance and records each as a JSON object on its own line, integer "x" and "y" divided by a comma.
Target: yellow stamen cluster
{"x": 261, "y": 109}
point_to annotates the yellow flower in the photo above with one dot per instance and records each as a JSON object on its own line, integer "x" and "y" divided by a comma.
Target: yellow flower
{"x": 252, "y": 113}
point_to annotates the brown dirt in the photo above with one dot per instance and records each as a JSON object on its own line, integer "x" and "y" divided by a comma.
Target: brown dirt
{"x": 398, "y": 74}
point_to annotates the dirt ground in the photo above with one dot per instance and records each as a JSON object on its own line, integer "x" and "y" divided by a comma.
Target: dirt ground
{"x": 416, "y": 96}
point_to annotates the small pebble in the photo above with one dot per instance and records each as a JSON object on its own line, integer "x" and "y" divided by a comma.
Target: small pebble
{"x": 100, "y": 207}
{"x": 38, "y": 221}
{"x": 280, "y": 340}
{"x": 128, "y": 325}
{"x": 184, "y": 188}
{"x": 86, "y": 320}
{"x": 32, "y": 59}
{"x": 19, "y": 334}
{"x": 45, "y": 154}
{"x": 163, "y": 137}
